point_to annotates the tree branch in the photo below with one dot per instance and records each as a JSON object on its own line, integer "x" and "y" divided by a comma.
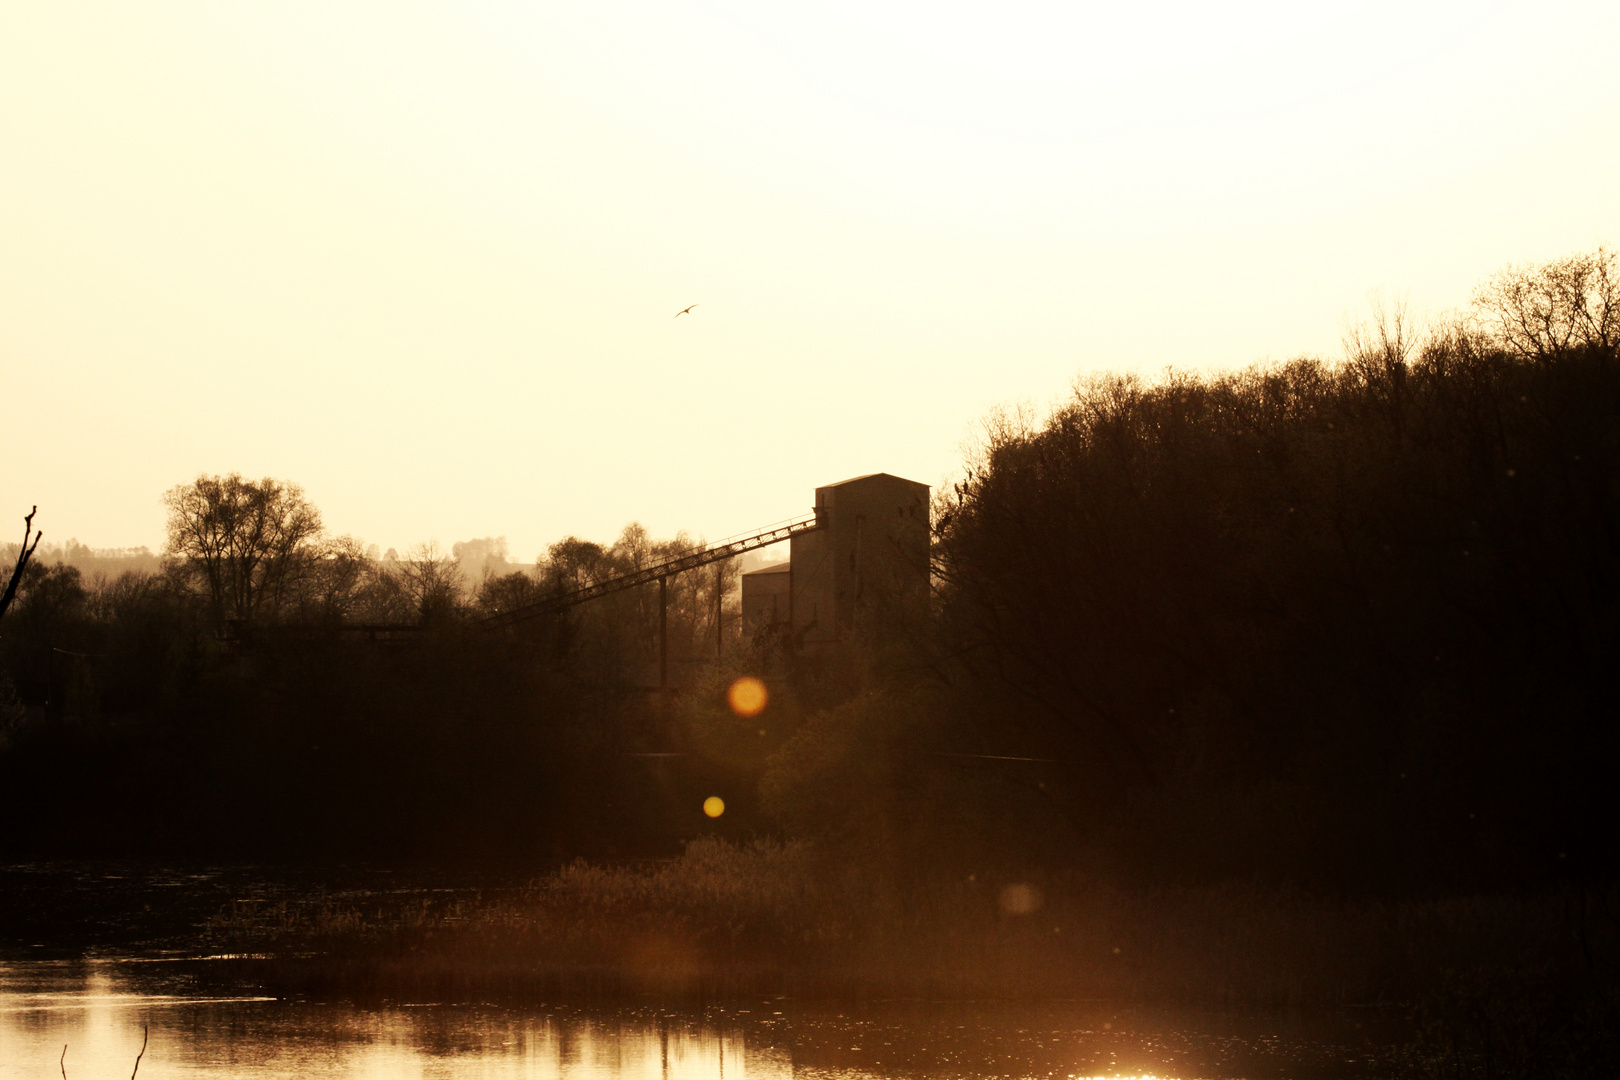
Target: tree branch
{"x": 23, "y": 555}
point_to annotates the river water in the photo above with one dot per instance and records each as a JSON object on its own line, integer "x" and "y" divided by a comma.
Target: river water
{"x": 95, "y": 979}
{"x": 100, "y": 1011}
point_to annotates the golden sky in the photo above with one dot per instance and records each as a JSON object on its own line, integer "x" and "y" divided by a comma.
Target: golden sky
{"x": 424, "y": 258}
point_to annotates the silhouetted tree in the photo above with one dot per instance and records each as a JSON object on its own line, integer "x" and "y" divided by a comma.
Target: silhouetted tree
{"x": 334, "y": 581}
{"x": 245, "y": 543}
{"x": 617, "y": 636}
{"x": 1541, "y": 309}
{"x": 431, "y": 580}
{"x": 499, "y": 593}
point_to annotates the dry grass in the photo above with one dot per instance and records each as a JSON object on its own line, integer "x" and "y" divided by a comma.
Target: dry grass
{"x": 768, "y": 917}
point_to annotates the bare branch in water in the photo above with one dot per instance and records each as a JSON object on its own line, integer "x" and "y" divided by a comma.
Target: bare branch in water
{"x": 146, "y": 1031}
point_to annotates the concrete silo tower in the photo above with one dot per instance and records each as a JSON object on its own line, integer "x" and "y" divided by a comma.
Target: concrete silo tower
{"x": 869, "y": 554}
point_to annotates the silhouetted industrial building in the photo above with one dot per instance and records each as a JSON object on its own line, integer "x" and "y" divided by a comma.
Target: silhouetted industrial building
{"x": 869, "y": 551}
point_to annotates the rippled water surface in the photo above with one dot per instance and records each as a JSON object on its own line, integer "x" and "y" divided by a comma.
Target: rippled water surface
{"x": 98, "y": 1009}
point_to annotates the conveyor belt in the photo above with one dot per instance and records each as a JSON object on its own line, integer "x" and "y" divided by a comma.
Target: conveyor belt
{"x": 716, "y": 552}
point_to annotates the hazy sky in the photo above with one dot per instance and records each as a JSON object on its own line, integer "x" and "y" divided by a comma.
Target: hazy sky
{"x": 424, "y": 259}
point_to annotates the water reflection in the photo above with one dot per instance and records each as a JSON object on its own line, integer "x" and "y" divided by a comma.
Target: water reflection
{"x": 98, "y": 1008}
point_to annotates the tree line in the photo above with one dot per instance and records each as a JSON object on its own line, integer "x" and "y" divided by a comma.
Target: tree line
{"x": 256, "y": 553}
{"x": 1350, "y": 622}
{"x": 1342, "y": 625}
{"x": 223, "y": 706}
{"x": 1336, "y": 626}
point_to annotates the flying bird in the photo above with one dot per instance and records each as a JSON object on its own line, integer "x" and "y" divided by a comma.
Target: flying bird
{"x": 684, "y": 310}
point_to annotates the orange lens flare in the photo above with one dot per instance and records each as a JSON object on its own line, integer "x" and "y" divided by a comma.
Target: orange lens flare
{"x": 714, "y": 806}
{"x": 1020, "y": 899}
{"x": 747, "y": 696}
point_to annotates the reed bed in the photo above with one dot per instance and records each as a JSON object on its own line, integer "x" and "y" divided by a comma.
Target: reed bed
{"x": 767, "y": 917}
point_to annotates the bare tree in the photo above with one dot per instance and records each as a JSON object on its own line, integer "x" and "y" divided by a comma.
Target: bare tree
{"x": 247, "y": 542}
{"x": 1537, "y": 310}
{"x": 338, "y": 574}
{"x": 432, "y": 580}
{"x": 1383, "y": 345}
{"x": 24, "y": 553}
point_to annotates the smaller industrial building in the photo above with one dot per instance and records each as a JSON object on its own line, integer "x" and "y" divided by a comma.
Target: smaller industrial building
{"x": 767, "y": 597}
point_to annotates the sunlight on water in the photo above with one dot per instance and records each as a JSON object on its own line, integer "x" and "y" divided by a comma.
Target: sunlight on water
{"x": 97, "y": 1009}
{"x": 44, "y": 1007}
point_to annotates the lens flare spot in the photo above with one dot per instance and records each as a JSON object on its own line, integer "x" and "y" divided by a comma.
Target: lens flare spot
{"x": 1020, "y": 899}
{"x": 747, "y": 696}
{"x": 714, "y": 806}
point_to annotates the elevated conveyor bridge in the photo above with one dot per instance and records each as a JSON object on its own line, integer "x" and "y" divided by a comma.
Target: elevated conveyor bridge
{"x": 729, "y": 548}
{"x": 660, "y": 572}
